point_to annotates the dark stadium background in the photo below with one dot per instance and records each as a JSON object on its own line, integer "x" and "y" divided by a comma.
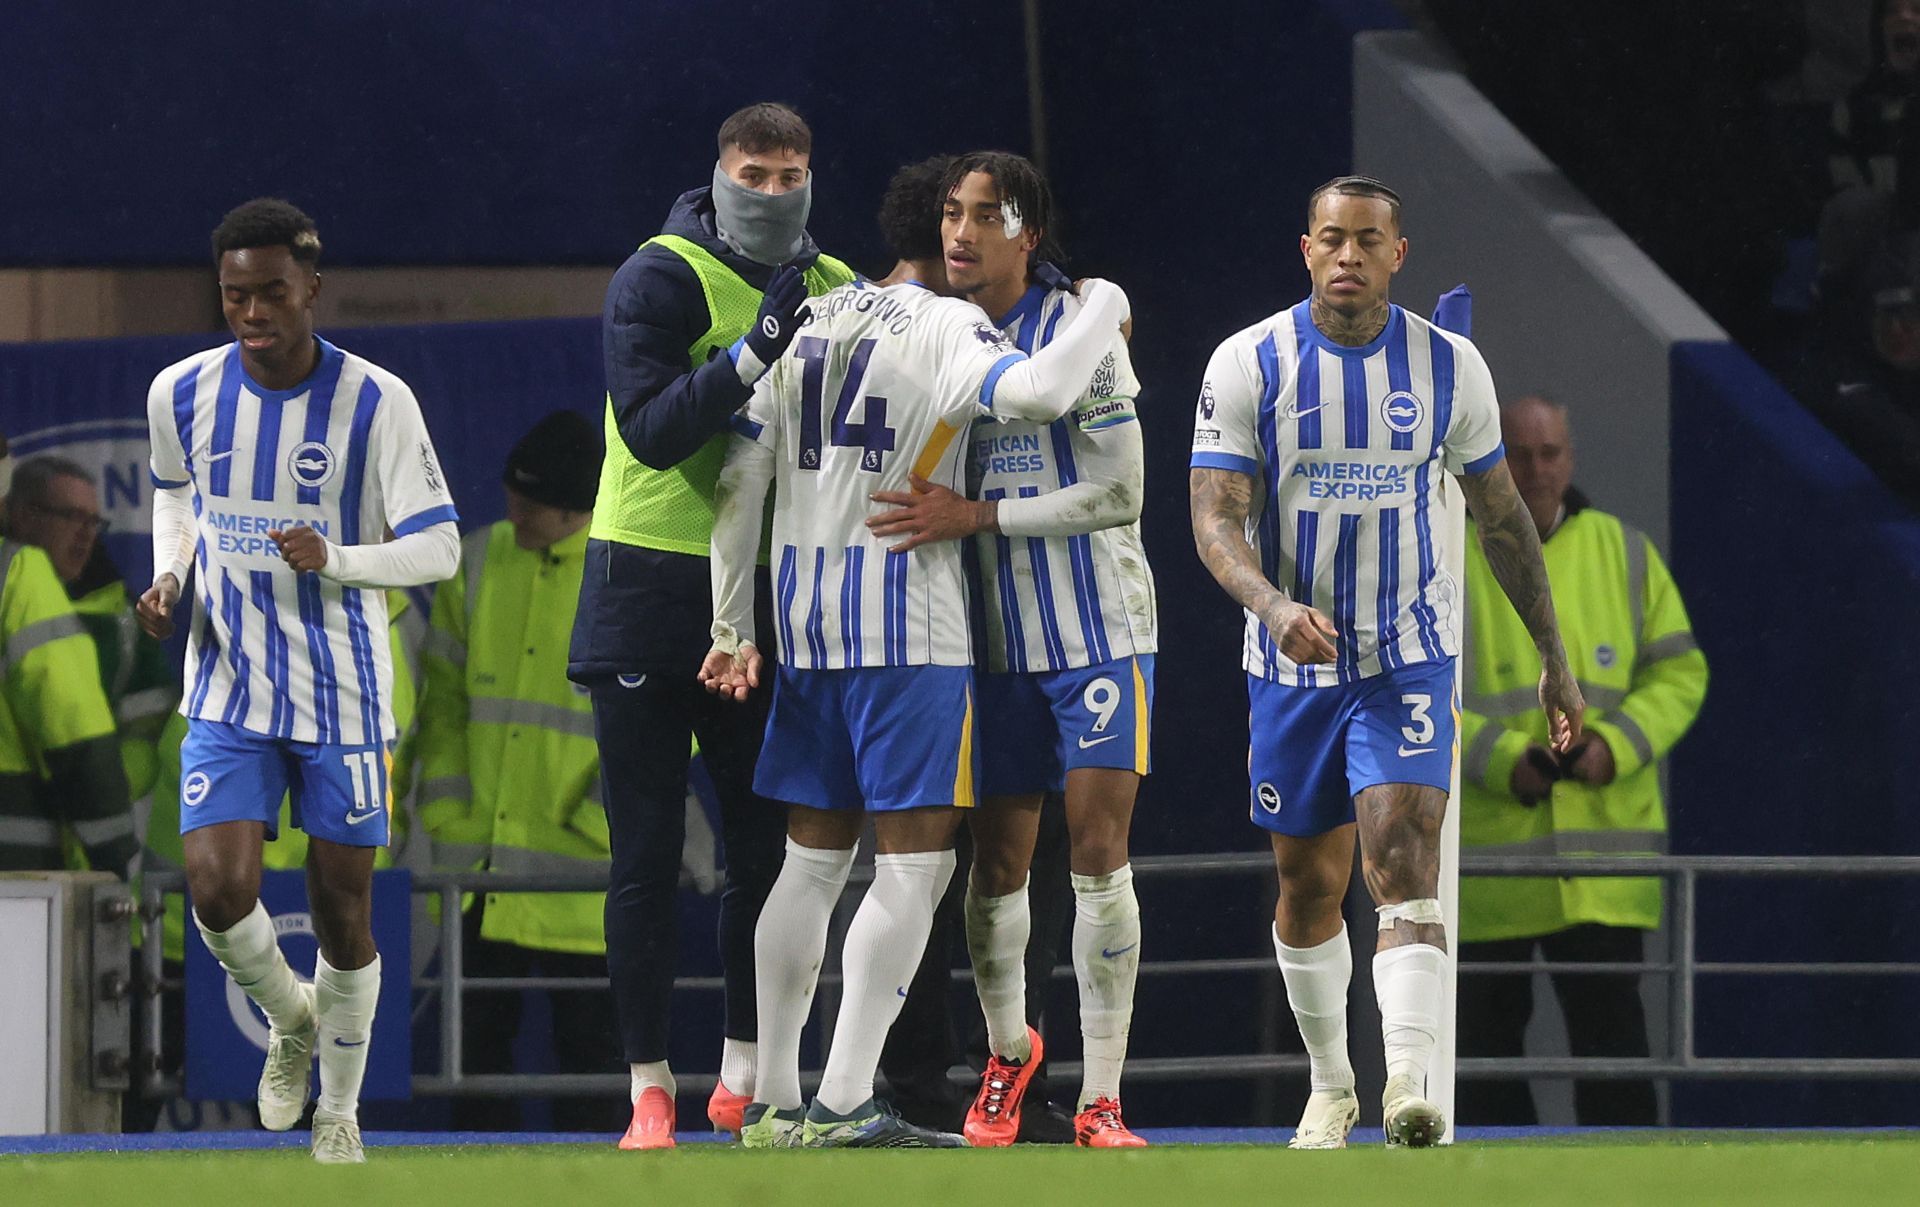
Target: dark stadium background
{"x": 1182, "y": 141}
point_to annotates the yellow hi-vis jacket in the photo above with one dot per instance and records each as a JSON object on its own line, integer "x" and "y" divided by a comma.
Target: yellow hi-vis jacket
{"x": 672, "y": 508}
{"x": 509, "y": 771}
{"x": 56, "y": 728}
{"x": 1632, "y": 651}
{"x": 133, "y": 669}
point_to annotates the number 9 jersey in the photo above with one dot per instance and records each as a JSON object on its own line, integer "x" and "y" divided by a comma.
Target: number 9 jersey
{"x": 881, "y": 383}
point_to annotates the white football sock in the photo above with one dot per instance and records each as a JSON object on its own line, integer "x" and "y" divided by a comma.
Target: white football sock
{"x": 736, "y": 1065}
{"x": 1317, "y": 978}
{"x": 343, "y": 1002}
{"x": 650, "y": 1075}
{"x": 250, "y": 952}
{"x": 1106, "y": 962}
{"x": 1407, "y": 980}
{"x": 788, "y": 944}
{"x": 884, "y": 945}
{"x": 997, "y": 932}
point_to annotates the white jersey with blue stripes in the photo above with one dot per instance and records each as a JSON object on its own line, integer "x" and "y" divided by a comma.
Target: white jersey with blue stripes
{"x": 880, "y": 382}
{"x": 1061, "y": 602}
{"x": 1349, "y": 449}
{"x": 346, "y": 453}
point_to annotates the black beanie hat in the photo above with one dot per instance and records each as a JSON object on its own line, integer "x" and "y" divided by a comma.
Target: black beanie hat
{"x": 558, "y": 462}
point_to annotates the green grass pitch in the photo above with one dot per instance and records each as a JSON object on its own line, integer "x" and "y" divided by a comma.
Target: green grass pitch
{"x": 1658, "y": 1169}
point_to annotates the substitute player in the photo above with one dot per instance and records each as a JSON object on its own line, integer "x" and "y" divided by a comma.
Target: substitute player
{"x": 278, "y": 462}
{"x": 1321, "y": 446}
{"x": 873, "y": 704}
{"x": 691, "y": 321}
{"x": 1069, "y": 611}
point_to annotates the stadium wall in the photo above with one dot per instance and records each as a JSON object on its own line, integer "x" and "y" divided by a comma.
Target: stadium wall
{"x": 1564, "y": 304}
{"x": 1801, "y": 571}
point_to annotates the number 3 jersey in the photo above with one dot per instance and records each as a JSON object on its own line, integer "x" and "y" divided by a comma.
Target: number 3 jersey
{"x": 882, "y": 382}
{"x": 1349, "y": 449}
{"x": 1059, "y": 602}
{"x": 345, "y": 453}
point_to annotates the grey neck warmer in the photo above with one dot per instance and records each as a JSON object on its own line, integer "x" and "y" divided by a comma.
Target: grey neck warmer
{"x": 760, "y": 226}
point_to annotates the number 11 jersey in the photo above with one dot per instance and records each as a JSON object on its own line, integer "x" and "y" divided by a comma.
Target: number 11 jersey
{"x": 881, "y": 383}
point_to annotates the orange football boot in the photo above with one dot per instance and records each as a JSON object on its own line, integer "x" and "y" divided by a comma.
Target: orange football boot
{"x": 652, "y": 1125}
{"x": 726, "y": 1108}
{"x": 1100, "y": 1126}
{"x": 994, "y": 1118}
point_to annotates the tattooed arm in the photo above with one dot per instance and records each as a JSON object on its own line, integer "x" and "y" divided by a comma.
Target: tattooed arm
{"x": 1220, "y": 501}
{"x": 1512, "y": 546}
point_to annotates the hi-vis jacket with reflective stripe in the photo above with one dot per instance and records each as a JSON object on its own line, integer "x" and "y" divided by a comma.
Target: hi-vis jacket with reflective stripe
{"x": 134, "y": 672}
{"x": 1633, "y": 652}
{"x": 58, "y": 759}
{"x": 509, "y": 772}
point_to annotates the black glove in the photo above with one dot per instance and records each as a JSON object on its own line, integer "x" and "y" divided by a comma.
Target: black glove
{"x": 782, "y": 311}
{"x": 1543, "y": 764}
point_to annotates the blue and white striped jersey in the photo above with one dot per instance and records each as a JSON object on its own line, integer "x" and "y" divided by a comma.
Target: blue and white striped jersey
{"x": 345, "y": 453}
{"x": 1349, "y": 449}
{"x": 880, "y": 382}
{"x": 1054, "y": 603}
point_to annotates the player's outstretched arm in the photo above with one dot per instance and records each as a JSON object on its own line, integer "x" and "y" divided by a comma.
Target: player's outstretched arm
{"x": 1046, "y": 385}
{"x": 1220, "y": 501}
{"x": 1512, "y": 545}
{"x": 732, "y": 667}
{"x": 1108, "y": 494}
{"x": 1112, "y": 485}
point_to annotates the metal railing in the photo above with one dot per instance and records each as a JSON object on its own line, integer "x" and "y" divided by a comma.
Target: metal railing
{"x": 1678, "y": 1062}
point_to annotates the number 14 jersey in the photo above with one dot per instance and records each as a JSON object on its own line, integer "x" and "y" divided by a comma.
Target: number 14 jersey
{"x": 881, "y": 383}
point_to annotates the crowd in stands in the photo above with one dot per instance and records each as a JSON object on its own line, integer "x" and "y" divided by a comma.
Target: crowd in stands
{"x": 1763, "y": 153}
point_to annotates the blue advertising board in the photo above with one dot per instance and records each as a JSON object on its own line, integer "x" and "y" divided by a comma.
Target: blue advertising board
{"x": 227, "y": 1034}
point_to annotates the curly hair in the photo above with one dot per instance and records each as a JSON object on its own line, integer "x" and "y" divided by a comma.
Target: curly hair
{"x": 268, "y": 222}
{"x": 910, "y": 210}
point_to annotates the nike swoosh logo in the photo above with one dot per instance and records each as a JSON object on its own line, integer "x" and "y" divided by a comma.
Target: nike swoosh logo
{"x": 220, "y": 456}
{"x": 903, "y": 991}
{"x": 341, "y": 1043}
{"x": 354, "y": 819}
{"x": 1407, "y": 753}
{"x": 1293, "y": 411}
{"x": 1113, "y": 955}
{"x": 1084, "y": 743}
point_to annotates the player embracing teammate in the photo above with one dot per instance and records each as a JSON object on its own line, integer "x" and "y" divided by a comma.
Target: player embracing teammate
{"x": 1069, "y": 634}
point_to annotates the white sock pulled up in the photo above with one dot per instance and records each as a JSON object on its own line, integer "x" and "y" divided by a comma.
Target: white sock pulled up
{"x": 1106, "y": 963}
{"x": 1317, "y": 978}
{"x": 789, "y": 943}
{"x": 884, "y": 944}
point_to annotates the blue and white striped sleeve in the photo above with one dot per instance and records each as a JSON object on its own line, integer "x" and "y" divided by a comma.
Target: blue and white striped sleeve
{"x": 167, "y": 461}
{"x": 413, "y": 490}
{"x": 1224, "y": 421}
{"x": 1472, "y": 439}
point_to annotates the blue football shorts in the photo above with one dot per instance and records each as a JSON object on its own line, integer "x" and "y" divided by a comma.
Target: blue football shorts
{"x": 339, "y": 793}
{"x": 1314, "y": 749}
{"x": 1036, "y": 727}
{"x": 877, "y": 738}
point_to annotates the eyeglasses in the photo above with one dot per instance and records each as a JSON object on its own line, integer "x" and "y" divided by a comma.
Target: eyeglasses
{"x": 85, "y": 520}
